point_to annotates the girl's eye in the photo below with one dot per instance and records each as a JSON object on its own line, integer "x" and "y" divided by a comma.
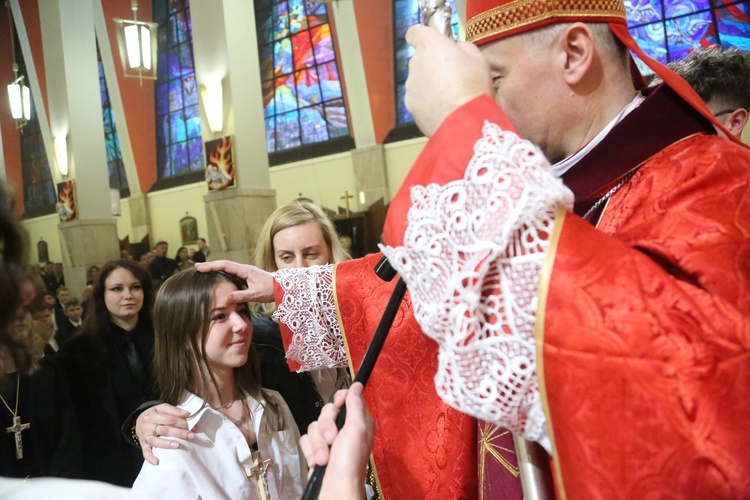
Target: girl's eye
{"x": 115, "y": 289}
{"x": 219, "y": 317}
{"x": 311, "y": 255}
{"x": 286, "y": 258}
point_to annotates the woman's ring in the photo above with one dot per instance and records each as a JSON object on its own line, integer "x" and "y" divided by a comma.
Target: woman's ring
{"x": 154, "y": 433}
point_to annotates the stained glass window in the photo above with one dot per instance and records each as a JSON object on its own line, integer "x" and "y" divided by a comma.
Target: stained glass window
{"x": 117, "y": 177}
{"x": 39, "y": 195}
{"x": 179, "y": 147}
{"x": 406, "y": 13}
{"x": 303, "y": 100}
{"x": 668, "y": 30}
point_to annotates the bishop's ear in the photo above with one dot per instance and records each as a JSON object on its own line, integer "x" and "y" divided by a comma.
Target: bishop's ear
{"x": 581, "y": 58}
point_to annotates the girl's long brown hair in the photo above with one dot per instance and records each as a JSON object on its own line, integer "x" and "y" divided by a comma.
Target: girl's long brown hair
{"x": 181, "y": 325}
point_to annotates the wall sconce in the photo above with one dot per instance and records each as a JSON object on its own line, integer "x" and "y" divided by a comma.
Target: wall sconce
{"x": 61, "y": 153}
{"x": 213, "y": 104}
{"x": 137, "y": 42}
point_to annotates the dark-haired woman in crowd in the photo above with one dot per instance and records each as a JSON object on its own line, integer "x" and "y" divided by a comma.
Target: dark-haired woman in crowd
{"x": 107, "y": 368}
{"x": 182, "y": 258}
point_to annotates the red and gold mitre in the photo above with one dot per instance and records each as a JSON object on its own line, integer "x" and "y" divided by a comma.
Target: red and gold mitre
{"x": 492, "y": 20}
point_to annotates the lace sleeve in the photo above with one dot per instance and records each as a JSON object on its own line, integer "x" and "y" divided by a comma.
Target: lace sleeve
{"x": 472, "y": 258}
{"x": 309, "y": 311}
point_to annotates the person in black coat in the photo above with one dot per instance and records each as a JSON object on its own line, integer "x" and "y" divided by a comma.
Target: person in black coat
{"x": 107, "y": 369}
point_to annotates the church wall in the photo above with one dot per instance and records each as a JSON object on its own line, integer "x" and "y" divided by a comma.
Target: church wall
{"x": 167, "y": 207}
{"x": 323, "y": 180}
{"x": 46, "y": 227}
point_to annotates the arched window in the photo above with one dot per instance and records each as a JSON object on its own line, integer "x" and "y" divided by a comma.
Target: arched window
{"x": 406, "y": 14}
{"x": 179, "y": 147}
{"x": 302, "y": 94}
{"x": 117, "y": 177}
{"x": 667, "y": 30}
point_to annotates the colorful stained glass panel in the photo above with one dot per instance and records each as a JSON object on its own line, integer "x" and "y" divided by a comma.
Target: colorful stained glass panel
{"x": 39, "y": 195}
{"x": 115, "y": 166}
{"x": 297, "y": 17}
{"x": 308, "y": 88}
{"x": 314, "y": 128}
{"x": 330, "y": 83}
{"x": 687, "y": 25}
{"x": 283, "y": 56}
{"x": 178, "y": 123}
{"x": 733, "y": 25}
{"x": 677, "y": 8}
{"x": 299, "y": 74}
{"x": 687, "y": 33}
{"x": 322, "y": 43}
{"x": 303, "y": 53}
{"x": 641, "y": 12}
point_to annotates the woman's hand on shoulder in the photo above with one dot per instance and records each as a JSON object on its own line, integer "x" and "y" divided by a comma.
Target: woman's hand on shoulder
{"x": 158, "y": 422}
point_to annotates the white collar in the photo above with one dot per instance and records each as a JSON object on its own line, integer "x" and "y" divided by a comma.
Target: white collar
{"x": 197, "y": 407}
{"x": 563, "y": 166}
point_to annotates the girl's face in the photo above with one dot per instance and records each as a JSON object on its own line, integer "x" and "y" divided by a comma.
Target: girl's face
{"x": 302, "y": 245}
{"x": 230, "y": 331}
{"x": 123, "y": 296}
{"x": 183, "y": 254}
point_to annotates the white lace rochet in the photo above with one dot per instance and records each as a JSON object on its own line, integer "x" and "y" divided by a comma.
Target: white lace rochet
{"x": 309, "y": 310}
{"x": 472, "y": 258}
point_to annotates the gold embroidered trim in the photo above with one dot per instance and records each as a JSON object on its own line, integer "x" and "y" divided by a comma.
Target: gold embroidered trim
{"x": 372, "y": 477}
{"x": 341, "y": 322}
{"x": 544, "y": 280}
{"x": 487, "y": 432}
{"x": 520, "y": 13}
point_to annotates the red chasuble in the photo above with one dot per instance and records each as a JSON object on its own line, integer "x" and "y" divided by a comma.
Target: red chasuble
{"x": 643, "y": 326}
{"x": 423, "y": 448}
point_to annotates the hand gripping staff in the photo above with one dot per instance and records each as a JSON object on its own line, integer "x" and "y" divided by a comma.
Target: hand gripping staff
{"x": 385, "y": 272}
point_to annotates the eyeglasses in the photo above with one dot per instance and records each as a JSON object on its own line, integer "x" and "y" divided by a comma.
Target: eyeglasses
{"x": 723, "y": 112}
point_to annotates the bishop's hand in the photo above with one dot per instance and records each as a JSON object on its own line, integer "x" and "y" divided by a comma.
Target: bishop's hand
{"x": 443, "y": 75}
{"x": 259, "y": 282}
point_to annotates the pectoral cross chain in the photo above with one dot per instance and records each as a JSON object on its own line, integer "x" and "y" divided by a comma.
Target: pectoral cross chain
{"x": 258, "y": 472}
{"x": 18, "y": 428}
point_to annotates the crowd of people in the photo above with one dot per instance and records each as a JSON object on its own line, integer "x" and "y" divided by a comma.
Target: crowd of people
{"x": 575, "y": 246}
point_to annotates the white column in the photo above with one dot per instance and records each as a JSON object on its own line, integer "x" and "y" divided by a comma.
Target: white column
{"x": 75, "y": 107}
{"x": 75, "y": 113}
{"x": 353, "y": 69}
{"x": 226, "y": 48}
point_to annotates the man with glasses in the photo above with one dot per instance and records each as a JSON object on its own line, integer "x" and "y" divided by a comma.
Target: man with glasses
{"x": 722, "y": 79}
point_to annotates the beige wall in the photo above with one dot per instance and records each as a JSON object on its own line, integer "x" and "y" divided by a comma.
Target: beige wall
{"x": 323, "y": 180}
